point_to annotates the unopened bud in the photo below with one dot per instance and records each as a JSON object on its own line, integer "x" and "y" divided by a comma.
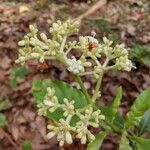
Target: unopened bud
{"x": 43, "y": 37}
{"x": 21, "y": 43}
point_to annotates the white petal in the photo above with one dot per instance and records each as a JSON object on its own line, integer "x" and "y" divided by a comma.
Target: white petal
{"x": 83, "y": 140}
{"x": 68, "y": 137}
{"x": 51, "y": 134}
{"x": 48, "y": 103}
{"x": 61, "y": 143}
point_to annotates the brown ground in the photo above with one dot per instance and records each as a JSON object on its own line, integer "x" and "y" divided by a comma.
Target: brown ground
{"x": 130, "y": 23}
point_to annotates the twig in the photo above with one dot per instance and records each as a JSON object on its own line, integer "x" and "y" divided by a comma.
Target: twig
{"x": 92, "y": 9}
{"x": 9, "y": 138}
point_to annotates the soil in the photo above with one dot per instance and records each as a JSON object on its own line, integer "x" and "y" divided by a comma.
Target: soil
{"x": 127, "y": 19}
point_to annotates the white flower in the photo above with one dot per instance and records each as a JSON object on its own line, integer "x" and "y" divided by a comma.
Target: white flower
{"x": 120, "y": 50}
{"x": 50, "y": 102}
{"x": 62, "y": 131}
{"x": 87, "y": 44}
{"x": 92, "y": 40}
{"x": 43, "y": 37}
{"x": 83, "y": 133}
{"x": 51, "y": 134}
{"x": 91, "y": 118}
{"x": 68, "y": 107}
{"x": 123, "y": 63}
{"x": 42, "y": 109}
{"x": 68, "y": 137}
{"x": 107, "y": 42}
{"x": 93, "y": 33}
{"x": 64, "y": 28}
{"x": 75, "y": 66}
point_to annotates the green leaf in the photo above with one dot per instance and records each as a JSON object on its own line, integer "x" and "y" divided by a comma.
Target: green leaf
{"x": 140, "y": 53}
{"x": 115, "y": 104}
{"x": 27, "y": 145}
{"x": 142, "y": 144}
{"x": 124, "y": 144}
{"x": 144, "y": 124}
{"x": 62, "y": 90}
{"x": 113, "y": 37}
{"x": 96, "y": 144}
{"x": 4, "y": 104}
{"x": 118, "y": 121}
{"x": 16, "y": 74}
{"x": 111, "y": 111}
{"x": 39, "y": 89}
{"x": 13, "y": 83}
{"x": 3, "y": 120}
{"x": 19, "y": 72}
{"x": 140, "y": 106}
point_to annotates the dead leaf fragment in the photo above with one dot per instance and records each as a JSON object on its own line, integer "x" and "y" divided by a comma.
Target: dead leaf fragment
{"x": 23, "y": 9}
{"x": 5, "y": 62}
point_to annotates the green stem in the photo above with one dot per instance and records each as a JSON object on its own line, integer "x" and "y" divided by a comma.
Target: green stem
{"x": 97, "y": 88}
{"x": 98, "y": 85}
{"x": 112, "y": 127}
{"x": 83, "y": 88}
{"x": 63, "y": 44}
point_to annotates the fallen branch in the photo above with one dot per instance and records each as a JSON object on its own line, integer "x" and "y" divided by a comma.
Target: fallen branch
{"x": 92, "y": 9}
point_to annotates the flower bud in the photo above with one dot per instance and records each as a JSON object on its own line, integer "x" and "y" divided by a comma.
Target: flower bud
{"x": 21, "y": 43}
{"x": 35, "y": 55}
{"x": 22, "y": 58}
{"x": 68, "y": 138}
{"x": 43, "y": 37}
{"x": 50, "y": 135}
{"x": 31, "y": 27}
{"x": 83, "y": 140}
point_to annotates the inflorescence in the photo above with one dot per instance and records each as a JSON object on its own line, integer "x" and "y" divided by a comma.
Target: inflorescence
{"x": 58, "y": 47}
{"x": 63, "y": 129}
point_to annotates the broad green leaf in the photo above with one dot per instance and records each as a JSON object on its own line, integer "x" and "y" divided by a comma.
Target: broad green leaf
{"x": 144, "y": 124}
{"x": 140, "y": 106}
{"x": 27, "y": 145}
{"x": 142, "y": 144}
{"x": 3, "y": 120}
{"x": 124, "y": 144}
{"x": 4, "y": 104}
{"x": 96, "y": 144}
{"x": 63, "y": 90}
{"x": 39, "y": 89}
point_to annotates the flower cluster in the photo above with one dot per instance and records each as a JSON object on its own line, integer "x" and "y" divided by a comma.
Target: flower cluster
{"x": 59, "y": 29}
{"x": 49, "y": 103}
{"x": 93, "y": 60}
{"x": 63, "y": 129}
{"x": 90, "y": 118}
{"x": 59, "y": 46}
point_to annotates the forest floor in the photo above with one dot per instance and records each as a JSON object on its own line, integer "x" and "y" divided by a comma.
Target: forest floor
{"x": 123, "y": 21}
